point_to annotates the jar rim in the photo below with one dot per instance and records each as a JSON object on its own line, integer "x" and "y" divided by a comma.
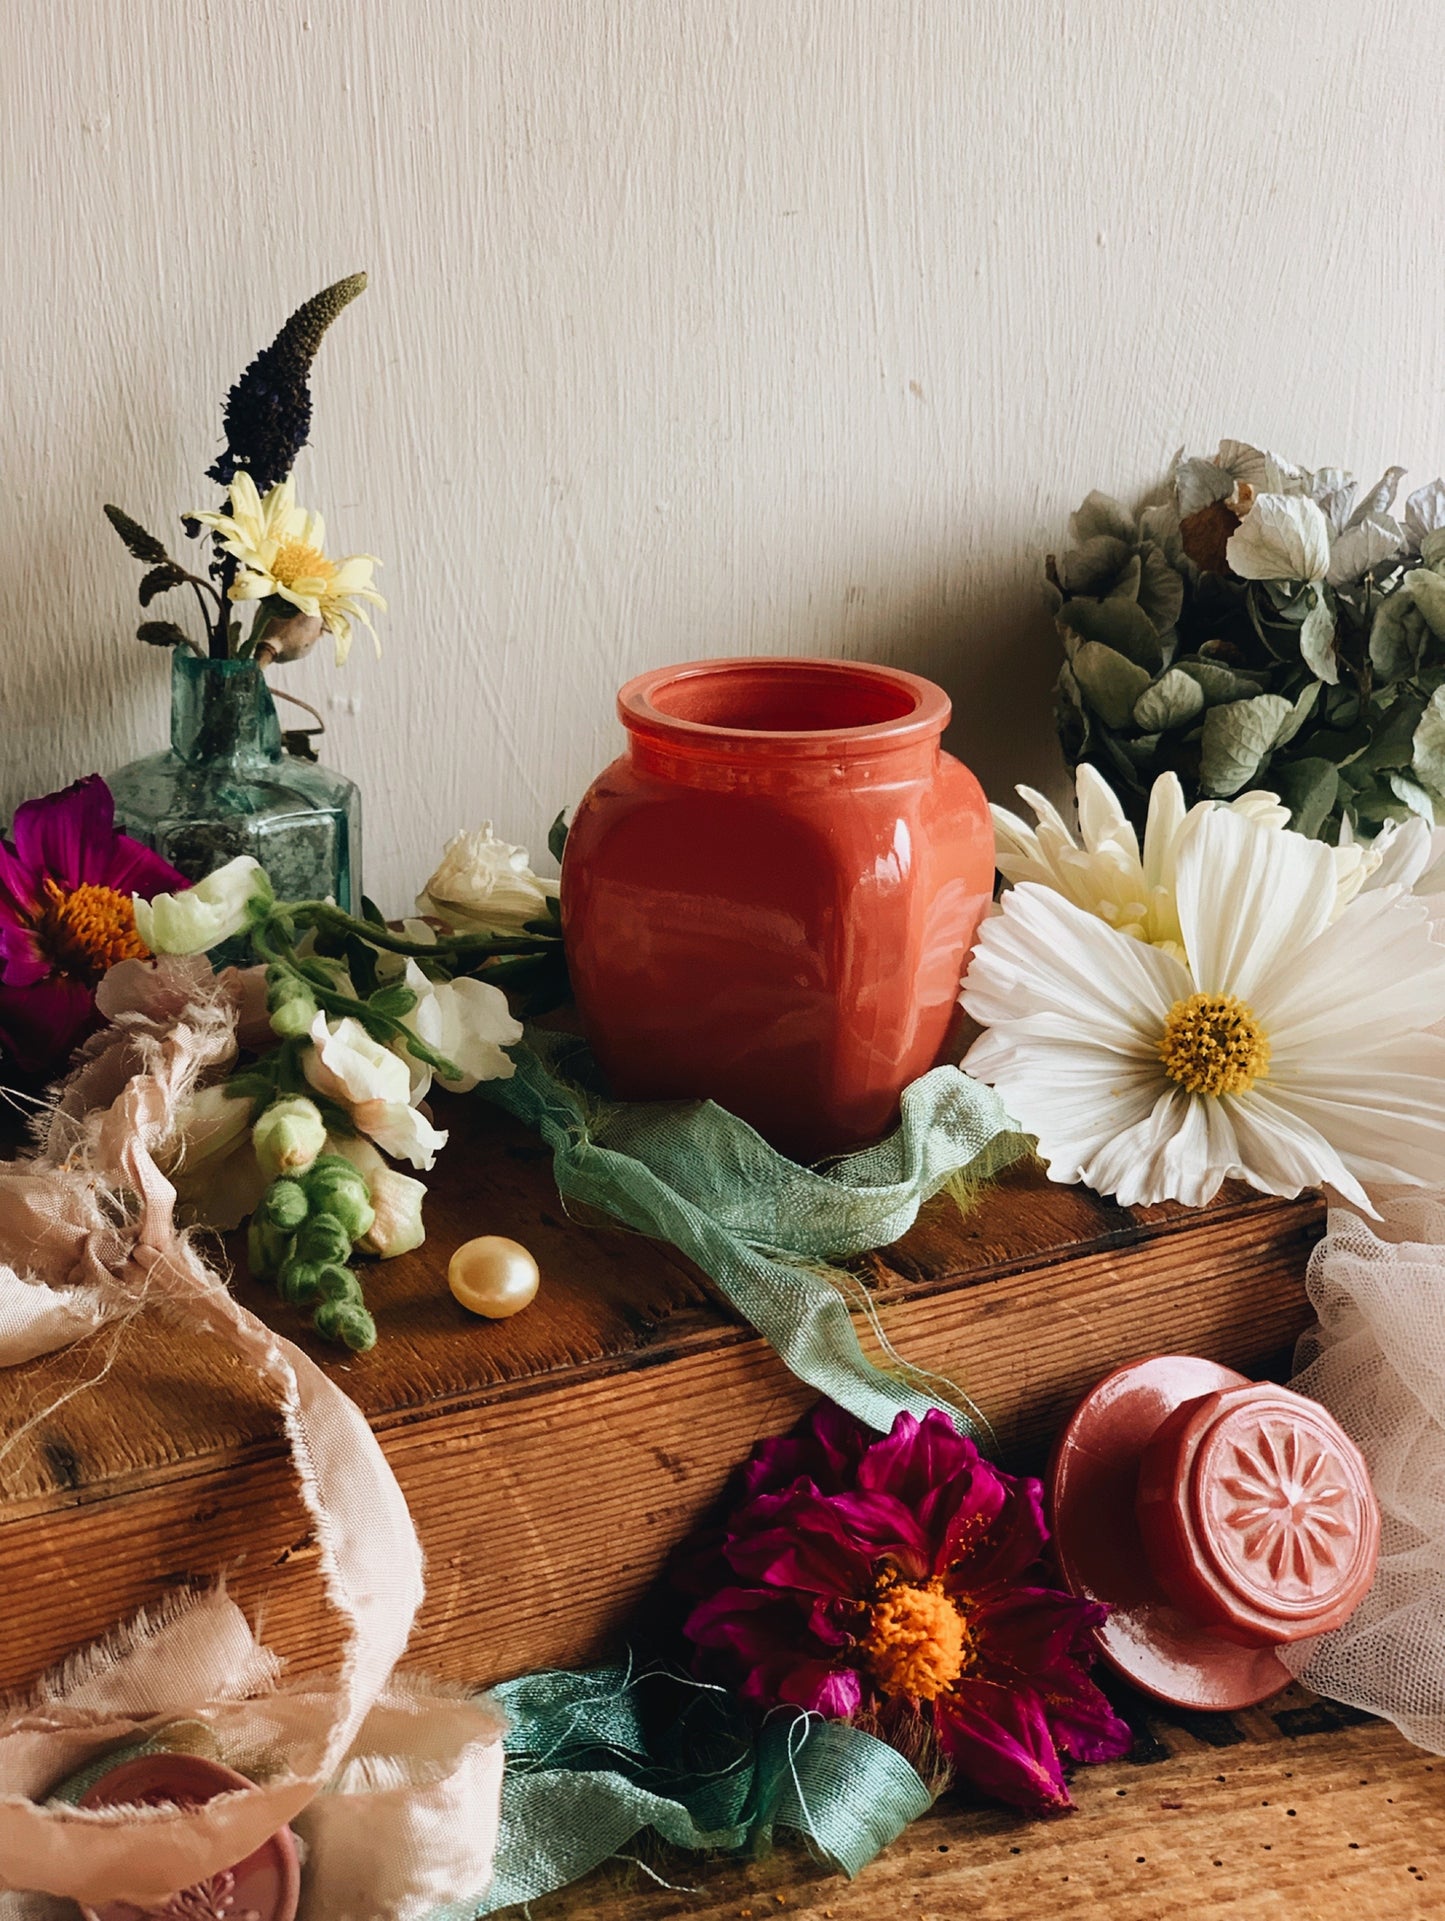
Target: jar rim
{"x": 753, "y": 705}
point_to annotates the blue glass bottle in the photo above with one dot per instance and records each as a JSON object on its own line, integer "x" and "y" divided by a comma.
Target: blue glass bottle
{"x": 227, "y": 786}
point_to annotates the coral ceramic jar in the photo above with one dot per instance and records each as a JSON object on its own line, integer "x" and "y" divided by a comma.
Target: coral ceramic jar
{"x": 768, "y": 900}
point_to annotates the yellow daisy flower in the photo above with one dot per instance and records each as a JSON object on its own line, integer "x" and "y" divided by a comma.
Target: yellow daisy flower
{"x": 282, "y": 553}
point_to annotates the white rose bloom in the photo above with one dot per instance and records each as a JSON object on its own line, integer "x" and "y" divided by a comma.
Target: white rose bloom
{"x": 373, "y": 1084}
{"x": 1282, "y": 537}
{"x": 485, "y": 885}
{"x": 469, "y": 1023}
{"x": 214, "y": 910}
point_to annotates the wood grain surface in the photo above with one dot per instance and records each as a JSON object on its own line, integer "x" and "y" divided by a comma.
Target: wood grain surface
{"x": 1300, "y": 1811}
{"x": 552, "y": 1461}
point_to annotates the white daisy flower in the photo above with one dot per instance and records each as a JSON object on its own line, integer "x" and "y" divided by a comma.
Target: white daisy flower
{"x": 1291, "y": 1050}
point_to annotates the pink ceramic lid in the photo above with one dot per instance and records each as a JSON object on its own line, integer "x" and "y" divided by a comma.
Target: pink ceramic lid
{"x": 1219, "y": 1518}
{"x": 266, "y": 1886}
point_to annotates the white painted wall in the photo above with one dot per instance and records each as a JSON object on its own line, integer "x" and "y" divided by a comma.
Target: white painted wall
{"x": 696, "y": 326}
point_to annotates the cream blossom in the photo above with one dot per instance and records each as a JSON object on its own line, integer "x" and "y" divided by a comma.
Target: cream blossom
{"x": 1106, "y": 872}
{"x": 468, "y": 1023}
{"x": 396, "y": 1199}
{"x": 209, "y": 1159}
{"x": 282, "y": 554}
{"x": 1291, "y": 1049}
{"x": 485, "y": 885}
{"x": 214, "y": 910}
{"x": 346, "y": 1065}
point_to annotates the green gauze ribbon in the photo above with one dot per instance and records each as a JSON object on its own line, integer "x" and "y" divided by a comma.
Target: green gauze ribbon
{"x": 760, "y": 1226}
{"x": 582, "y": 1779}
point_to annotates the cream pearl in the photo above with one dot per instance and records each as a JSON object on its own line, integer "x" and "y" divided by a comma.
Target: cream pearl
{"x": 493, "y": 1276}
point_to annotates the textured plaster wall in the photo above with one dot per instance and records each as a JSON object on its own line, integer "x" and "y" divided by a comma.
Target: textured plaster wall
{"x": 696, "y": 326}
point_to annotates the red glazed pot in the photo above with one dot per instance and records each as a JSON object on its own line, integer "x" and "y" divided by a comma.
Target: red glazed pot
{"x": 769, "y": 898}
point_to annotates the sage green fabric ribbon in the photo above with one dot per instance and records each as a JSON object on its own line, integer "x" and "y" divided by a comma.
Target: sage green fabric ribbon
{"x": 764, "y": 1229}
{"x": 583, "y": 1779}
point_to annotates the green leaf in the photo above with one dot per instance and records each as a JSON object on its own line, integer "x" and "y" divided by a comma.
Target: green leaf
{"x": 1089, "y": 567}
{"x": 1241, "y": 735}
{"x": 1122, "y": 625}
{"x": 395, "y": 1001}
{"x": 1172, "y": 701}
{"x": 1393, "y": 742}
{"x": 1216, "y": 682}
{"x": 1111, "y": 684}
{"x": 160, "y": 580}
{"x": 1427, "y": 590}
{"x": 1397, "y": 636}
{"x": 361, "y": 965}
{"x": 162, "y": 633}
{"x": 1427, "y": 756}
{"x": 1415, "y": 797}
{"x": 1310, "y": 789}
{"x": 143, "y": 545}
{"x": 1161, "y": 589}
{"x": 1101, "y": 516}
{"x": 557, "y": 836}
{"x": 1317, "y": 639}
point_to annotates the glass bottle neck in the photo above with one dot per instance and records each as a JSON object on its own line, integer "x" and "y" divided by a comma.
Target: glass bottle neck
{"x": 221, "y": 710}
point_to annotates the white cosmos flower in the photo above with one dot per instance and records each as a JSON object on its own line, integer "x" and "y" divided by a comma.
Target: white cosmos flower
{"x": 1291, "y": 1051}
{"x": 469, "y": 1023}
{"x": 346, "y": 1065}
{"x": 1106, "y": 872}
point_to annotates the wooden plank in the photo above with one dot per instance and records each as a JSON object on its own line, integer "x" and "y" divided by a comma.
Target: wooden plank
{"x": 1331, "y": 1825}
{"x": 552, "y": 1461}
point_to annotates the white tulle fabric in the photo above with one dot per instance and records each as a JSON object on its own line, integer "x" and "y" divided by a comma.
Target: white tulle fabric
{"x": 399, "y": 1790}
{"x": 1376, "y": 1360}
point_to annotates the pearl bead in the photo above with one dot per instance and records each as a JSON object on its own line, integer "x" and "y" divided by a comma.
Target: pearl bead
{"x": 493, "y": 1276}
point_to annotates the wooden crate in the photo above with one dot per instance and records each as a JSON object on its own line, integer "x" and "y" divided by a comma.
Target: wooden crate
{"x": 551, "y": 1462}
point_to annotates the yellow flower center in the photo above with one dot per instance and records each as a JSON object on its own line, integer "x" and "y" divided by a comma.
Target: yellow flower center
{"x": 297, "y": 560}
{"x": 89, "y": 930}
{"x": 1213, "y": 1044}
{"x": 917, "y": 1642}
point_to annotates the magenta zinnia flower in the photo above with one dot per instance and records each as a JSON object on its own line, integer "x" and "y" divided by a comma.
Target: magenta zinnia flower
{"x": 900, "y": 1575}
{"x": 66, "y": 915}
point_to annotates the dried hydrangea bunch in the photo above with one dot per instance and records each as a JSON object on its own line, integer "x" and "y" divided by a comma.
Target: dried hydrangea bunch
{"x": 1259, "y": 625}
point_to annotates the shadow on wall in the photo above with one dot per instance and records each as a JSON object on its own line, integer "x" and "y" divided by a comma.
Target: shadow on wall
{"x": 992, "y": 647}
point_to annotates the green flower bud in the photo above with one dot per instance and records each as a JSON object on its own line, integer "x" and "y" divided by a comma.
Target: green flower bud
{"x": 292, "y": 1007}
{"x": 346, "y": 1322}
{"x": 338, "y": 1283}
{"x": 333, "y": 1186}
{"x": 285, "y": 1205}
{"x": 323, "y": 1238}
{"x": 289, "y": 1135}
{"x": 266, "y": 1248}
{"x": 299, "y": 1282}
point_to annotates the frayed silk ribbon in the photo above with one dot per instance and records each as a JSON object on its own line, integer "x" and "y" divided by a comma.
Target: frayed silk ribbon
{"x": 399, "y": 1791}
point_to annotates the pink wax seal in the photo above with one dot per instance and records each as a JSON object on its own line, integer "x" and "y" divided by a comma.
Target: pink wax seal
{"x": 266, "y": 1886}
{"x": 1218, "y": 1517}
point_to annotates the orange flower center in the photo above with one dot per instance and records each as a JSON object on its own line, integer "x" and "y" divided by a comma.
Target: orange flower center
{"x": 917, "y": 1642}
{"x": 296, "y": 560}
{"x": 89, "y": 930}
